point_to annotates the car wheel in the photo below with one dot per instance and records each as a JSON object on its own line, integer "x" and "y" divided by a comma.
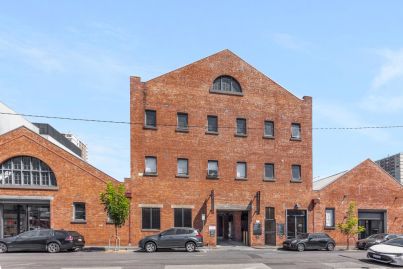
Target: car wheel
{"x": 300, "y": 247}
{"x": 150, "y": 247}
{"x": 53, "y": 247}
{"x": 190, "y": 247}
{"x": 3, "y": 248}
{"x": 330, "y": 247}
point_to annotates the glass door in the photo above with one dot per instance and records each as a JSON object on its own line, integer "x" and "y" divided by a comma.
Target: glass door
{"x": 270, "y": 227}
{"x": 296, "y": 222}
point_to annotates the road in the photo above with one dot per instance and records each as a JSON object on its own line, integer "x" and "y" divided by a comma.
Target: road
{"x": 204, "y": 259}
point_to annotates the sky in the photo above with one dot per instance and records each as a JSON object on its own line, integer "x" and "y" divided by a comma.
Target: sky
{"x": 73, "y": 59}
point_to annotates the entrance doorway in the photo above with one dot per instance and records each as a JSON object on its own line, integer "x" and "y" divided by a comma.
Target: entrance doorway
{"x": 232, "y": 227}
{"x": 270, "y": 227}
{"x": 372, "y": 221}
{"x": 296, "y": 222}
{"x": 18, "y": 218}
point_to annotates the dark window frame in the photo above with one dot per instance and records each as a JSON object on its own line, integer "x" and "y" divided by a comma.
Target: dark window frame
{"x": 272, "y": 127}
{"x": 182, "y": 128}
{"x": 150, "y": 126}
{"x": 264, "y": 172}
{"x": 245, "y": 128}
{"x": 187, "y": 167}
{"x": 182, "y": 222}
{"x": 145, "y": 166}
{"x": 333, "y": 224}
{"x": 298, "y": 125}
{"x": 208, "y": 174}
{"x": 246, "y": 170}
{"x": 153, "y": 224}
{"x": 75, "y": 211}
{"x": 214, "y": 130}
{"x": 220, "y": 86}
{"x": 292, "y": 173}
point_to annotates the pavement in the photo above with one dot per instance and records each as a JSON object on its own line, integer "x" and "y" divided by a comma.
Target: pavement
{"x": 236, "y": 257}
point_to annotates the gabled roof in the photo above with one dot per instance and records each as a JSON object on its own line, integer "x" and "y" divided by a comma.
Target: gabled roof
{"x": 216, "y": 58}
{"x": 323, "y": 182}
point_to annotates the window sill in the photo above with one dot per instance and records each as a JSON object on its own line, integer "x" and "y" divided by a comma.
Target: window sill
{"x": 268, "y": 137}
{"x": 240, "y": 135}
{"x": 150, "y": 174}
{"x": 78, "y": 222}
{"x": 296, "y": 181}
{"x": 241, "y": 178}
{"x": 212, "y": 177}
{"x": 182, "y": 176}
{"x": 179, "y": 130}
{"x": 211, "y": 133}
{"x": 145, "y": 127}
{"x": 30, "y": 187}
{"x": 110, "y": 223}
{"x": 295, "y": 139}
{"x": 330, "y": 228}
{"x": 227, "y": 93}
{"x": 150, "y": 230}
{"x": 269, "y": 179}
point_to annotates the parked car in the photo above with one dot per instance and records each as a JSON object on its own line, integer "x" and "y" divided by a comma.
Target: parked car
{"x": 305, "y": 241}
{"x": 43, "y": 240}
{"x": 374, "y": 240}
{"x": 390, "y": 252}
{"x": 187, "y": 238}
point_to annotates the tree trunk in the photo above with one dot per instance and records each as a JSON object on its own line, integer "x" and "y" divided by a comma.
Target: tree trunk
{"x": 348, "y": 242}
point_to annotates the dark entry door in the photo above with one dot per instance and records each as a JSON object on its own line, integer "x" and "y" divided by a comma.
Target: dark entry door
{"x": 373, "y": 222}
{"x": 270, "y": 227}
{"x": 296, "y": 222}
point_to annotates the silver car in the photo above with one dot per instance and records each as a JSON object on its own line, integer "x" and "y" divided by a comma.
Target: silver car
{"x": 390, "y": 252}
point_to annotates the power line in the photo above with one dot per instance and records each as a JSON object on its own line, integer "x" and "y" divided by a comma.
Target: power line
{"x": 190, "y": 126}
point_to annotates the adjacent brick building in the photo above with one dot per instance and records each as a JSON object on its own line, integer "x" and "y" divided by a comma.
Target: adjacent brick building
{"x": 220, "y": 112}
{"x": 43, "y": 185}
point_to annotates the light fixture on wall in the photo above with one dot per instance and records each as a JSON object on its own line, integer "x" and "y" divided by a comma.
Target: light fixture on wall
{"x": 297, "y": 206}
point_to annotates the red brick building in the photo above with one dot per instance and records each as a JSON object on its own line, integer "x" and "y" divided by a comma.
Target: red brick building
{"x": 42, "y": 186}
{"x": 219, "y": 146}
{"x": 378, "y": 198}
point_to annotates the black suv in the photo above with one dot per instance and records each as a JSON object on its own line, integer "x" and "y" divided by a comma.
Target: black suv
{"x": 310, "y": 241}
{"x": 187, "y": 238}
{"x": 43, "y": 240}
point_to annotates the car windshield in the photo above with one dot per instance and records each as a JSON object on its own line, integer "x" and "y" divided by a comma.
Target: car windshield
{"x": 398, "y": 242}
{"x": 376, "y": 236}
{"x": 302, "y": 236}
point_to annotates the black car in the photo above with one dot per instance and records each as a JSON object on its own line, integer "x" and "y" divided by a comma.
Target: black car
{"x": 43, "y": 240}
{"x": 374, "y": 240}
{"x": 187, "y": 238}
{"x": 310, "y": 241}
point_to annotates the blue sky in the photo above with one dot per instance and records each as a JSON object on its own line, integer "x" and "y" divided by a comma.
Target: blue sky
{"x": 74, "y": 58}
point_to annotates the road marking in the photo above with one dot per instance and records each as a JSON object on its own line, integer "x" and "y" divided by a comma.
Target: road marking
{"x": 220, "y": 266}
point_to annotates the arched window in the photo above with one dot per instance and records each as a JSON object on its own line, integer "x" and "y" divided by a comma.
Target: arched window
{"x": 26, "y": 171}
{"x": 226, "y": 84}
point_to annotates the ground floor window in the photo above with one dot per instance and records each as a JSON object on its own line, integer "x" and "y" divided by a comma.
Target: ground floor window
{"x": 329, "y": 218}
{"x": 296, "y": 222}
{"x": 79, "y": 212}
{"x": 183, "y": 217}
{"x": 151, "y": 218}
{"x": 373, "y": 221}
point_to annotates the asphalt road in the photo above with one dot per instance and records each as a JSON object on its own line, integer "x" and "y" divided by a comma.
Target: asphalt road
{"x": 203, "y": 259}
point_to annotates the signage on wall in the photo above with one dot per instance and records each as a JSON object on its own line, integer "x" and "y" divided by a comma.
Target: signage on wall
{"x": 211, "y": 230}
{"x": 280, "y": 229}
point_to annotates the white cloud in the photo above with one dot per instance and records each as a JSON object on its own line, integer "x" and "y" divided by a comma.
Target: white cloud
{"x": 391, "y": 68}
{"x": 289, "y": 42}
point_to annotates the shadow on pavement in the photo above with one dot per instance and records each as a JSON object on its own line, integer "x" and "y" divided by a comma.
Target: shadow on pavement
{"x": 378, "y": 263}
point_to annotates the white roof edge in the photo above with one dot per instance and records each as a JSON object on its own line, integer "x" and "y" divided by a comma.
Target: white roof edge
{"x": 323, "y": 182}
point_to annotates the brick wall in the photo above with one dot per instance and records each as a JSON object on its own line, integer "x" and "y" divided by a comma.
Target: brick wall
{"x": 187, "y": 90}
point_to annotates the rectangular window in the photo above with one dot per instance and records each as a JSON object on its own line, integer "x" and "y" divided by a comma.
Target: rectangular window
{"x": 182, "y": 119}
{"x": 26, "y": 161}
{"x": 150, "y": 165}
{"x": 150, "y": 218}
{"x": 183, "y": 167}
{"x": 79, "y": 212}
{"x": 296, "y": 172}
{"x": 17, "y": 177}
{"x": 212, "y": 124}
{"x": 17, "y": 163}
{"x": 270, "y": 213}
{"x": 296, "y": 131}
{"x": 150, "y": 119}
{"x": 269, "y": 128}
{"x": 241, "y": 126}
{"x": 8, "y": 177}
{"x": 240, "y": 170}
{"x": 329, "y": 218}
{"x": 269, "y": 171}
{"x": 36, "y": 178}
{"x": 45, "y": 178}
{"x": 183, "y": 217}
{"x": 212, "y": 169}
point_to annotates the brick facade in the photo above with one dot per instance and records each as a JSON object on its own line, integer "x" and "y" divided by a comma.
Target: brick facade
{"x": 188, "y": 90}
{"x": 77, "y": 181}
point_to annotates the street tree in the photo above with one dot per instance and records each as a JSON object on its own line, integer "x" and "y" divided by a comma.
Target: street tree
{"x": 350, "y": 227}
